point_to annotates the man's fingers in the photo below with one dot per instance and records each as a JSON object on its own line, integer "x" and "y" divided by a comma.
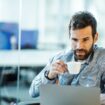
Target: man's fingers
{"x": 59, "y": 66}
{"x": 59, "y": 62}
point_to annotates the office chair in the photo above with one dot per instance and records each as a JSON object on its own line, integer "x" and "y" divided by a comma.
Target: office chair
{"x": 5, "y": 79}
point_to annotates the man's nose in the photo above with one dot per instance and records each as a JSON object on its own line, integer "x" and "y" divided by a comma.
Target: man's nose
{"x": 80, "y": 45}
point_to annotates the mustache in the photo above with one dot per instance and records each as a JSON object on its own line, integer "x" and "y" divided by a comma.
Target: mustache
{"x": 79, "y": 50}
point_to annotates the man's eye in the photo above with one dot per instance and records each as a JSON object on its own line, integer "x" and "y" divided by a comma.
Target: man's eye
{"x": 74, "y": 40}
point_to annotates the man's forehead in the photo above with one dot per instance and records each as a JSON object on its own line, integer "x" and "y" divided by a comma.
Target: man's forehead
{"x": 81, "y": 33}
{"x": 81, "y": 36}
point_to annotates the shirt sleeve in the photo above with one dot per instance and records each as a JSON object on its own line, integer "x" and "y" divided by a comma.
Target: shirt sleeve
{"x": 39, "y": 80}
{"x": 102, "y": 69}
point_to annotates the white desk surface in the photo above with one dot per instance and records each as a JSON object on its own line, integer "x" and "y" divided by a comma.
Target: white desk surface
{"x": 25, "y": 57}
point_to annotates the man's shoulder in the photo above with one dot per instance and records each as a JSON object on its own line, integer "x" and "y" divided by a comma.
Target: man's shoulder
{"x": 100, "y": 50}
{"x": 100, "y": 58}
{"x": 100, "y": 54}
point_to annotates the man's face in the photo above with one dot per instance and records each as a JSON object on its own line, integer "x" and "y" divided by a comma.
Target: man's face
{"x": 82, "y": 42}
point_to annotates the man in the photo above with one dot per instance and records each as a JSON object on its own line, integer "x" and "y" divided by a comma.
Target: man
{"x": 83, "y": 36}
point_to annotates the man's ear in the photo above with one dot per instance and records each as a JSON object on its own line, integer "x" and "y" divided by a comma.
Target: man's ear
{"x": 95, "y": 37}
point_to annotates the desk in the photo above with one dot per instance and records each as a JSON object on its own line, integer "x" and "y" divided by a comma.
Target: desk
{"x": 25, "y": 57}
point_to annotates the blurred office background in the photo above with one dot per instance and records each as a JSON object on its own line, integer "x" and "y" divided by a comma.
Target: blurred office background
{"x": 31, "y": 32}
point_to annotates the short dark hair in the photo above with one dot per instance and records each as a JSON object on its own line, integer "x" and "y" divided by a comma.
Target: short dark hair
{"x": 83, "y": 19}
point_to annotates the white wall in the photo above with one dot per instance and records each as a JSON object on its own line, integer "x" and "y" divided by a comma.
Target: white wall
{"x": 9, "y": 12}
{"x": 29, "y": 14}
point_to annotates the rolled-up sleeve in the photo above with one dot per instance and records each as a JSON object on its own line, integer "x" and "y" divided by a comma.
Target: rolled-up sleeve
{"x": 39, "y": 80}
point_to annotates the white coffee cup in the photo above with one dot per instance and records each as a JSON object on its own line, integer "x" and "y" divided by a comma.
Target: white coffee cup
{"x": 74, "y": 67}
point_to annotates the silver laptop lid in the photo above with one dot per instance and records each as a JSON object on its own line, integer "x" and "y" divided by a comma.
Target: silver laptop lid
{"x": 69, "y": 95}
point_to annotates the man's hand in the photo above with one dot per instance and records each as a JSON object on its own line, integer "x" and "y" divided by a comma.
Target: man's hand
{"x": 57, "y": 68}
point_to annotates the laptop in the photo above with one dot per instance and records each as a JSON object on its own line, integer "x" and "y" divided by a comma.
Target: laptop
{"x": 51, "y": 94}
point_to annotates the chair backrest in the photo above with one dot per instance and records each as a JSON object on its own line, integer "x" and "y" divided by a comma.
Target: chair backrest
{"x": 29, "y": 39}
{"x": 5, "y": 43}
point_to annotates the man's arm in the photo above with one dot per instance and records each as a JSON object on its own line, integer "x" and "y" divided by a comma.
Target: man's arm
{"x": 39, "y": 80}
{"x": 48, "y": 75}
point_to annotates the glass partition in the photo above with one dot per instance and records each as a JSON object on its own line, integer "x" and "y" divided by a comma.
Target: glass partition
{"x": 9, "y": 29}
{"x": 31, "y": 30}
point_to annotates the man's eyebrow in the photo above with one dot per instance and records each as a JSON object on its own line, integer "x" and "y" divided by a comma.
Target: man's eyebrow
{"x": 82, "y": 38}
{"x": 86, "y": 38}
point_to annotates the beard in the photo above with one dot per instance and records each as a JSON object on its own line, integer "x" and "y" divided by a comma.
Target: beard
{"x": 82, "y": 54}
